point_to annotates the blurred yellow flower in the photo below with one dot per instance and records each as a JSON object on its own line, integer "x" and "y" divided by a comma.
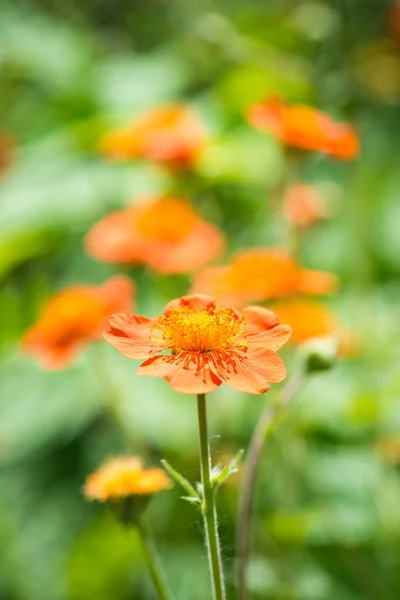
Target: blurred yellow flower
{"x": 124, "y": 476}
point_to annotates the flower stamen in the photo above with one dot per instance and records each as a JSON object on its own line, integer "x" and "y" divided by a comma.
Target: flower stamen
{"x": 200, "y": 329}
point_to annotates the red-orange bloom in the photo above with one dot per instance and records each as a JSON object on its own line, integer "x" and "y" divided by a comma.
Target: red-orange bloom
{"x": 124, "y": 476}
{"x": 262, "y": 274}
{"x": 303, "y": 206}
{"x": 310, "y": 320}
{"x": 74, "y": 317}
{"x": 172, "y": 135}
{"x": 209, "y": 345}
{"x": 307, "y": 319}
{"x": 165, "y": 234}
{"x": 305, "y": 127}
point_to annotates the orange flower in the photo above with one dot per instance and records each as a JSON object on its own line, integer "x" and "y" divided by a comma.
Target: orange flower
{"x": 209, "y": 345}
{"x": 307, "y": 319}
{"x": 124, "y": 476}
{"x": 304, "y": 127}
{"x": 302, "y": 206}
{"x": 310, "y": 320}
{"x": 166, "y": 234}
{"x": 74, "y": 317}
{"x": 261, "y": 274}
{"x": 171, "y": 135}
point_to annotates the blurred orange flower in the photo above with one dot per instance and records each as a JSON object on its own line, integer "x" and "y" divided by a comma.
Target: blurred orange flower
{"x": 124, "y": 476}
{"x": 209, "y": 345}
{"x": 261, "y": 274}
{"x": 171, "y": 135}
{"x": 74, "y": 317}
{"x": 166, "y": 234}
{"x": 305, "y": 127}
{"x": 309, "y": 320}
{"x": 302, "y": 206}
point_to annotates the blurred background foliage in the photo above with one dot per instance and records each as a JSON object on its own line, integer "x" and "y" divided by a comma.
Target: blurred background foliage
{"x": 328, "y": 520}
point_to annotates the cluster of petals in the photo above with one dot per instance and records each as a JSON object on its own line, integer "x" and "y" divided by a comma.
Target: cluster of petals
{"x": 163, "y": 233}
{"x": 171, "y": 135}
{"x": 208, "y": 345}
{"x": 124, "y": 476}
{"x": 303, "y": 206}
{"x": 73, "y": 317}
{"x": 261, "y": 274}
{"x": 304, "y": 127}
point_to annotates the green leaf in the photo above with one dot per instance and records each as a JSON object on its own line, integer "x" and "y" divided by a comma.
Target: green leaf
{"x": 181, "y": 480}
{"x": 218, "y": 475}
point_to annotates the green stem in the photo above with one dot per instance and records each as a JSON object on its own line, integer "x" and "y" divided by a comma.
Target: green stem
{"x": 262, "y": 430}
{"x": 208, "y": 505}
{"x": 153, "y": 563}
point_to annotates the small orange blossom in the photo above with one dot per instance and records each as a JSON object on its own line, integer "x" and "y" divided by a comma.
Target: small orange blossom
{"x": 305, "y": 127}
{"x": 124, "y": 476}
{"x": 302, "y": 206}
{"x": 73, "y": 317}
{"x": 310, "y": 320}
{"x": 171, "y": 135}
{"x": 165, "y": 234}
{"x": 209, "y": 345}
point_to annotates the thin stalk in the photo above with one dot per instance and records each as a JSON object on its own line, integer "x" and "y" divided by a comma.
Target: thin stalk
{"x": 208, "y": 506}
{"x": 153, "y": 563}
{"x": 262, "y": 430}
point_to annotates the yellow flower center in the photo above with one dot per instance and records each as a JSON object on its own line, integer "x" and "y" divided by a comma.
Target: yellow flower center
{"x": 169, "y": 220}
{"x": 200, "y": 329}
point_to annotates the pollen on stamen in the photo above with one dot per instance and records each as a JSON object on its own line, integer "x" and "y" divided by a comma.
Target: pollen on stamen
{"x": 200, "y": 329}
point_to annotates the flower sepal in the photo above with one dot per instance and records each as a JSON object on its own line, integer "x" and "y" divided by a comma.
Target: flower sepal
{"x": 130, "y": 509}
{"x": 219, "y": 475}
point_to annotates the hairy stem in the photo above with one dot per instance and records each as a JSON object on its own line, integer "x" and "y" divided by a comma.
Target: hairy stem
{"x": 208, "y": 505}
{"x": 262, "y": 430}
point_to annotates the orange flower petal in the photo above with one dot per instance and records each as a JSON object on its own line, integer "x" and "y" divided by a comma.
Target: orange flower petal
{"x": 317, "y": 282}
{"x": 307, "y": 319}
{"x": 191, "y": 301}
{"x": 131, "y": 336}
{"x": 253, "y": 372}
{"x": 262, "y": 327}
{"x": 204, "y": 245}
{"x": 187, "y": 373}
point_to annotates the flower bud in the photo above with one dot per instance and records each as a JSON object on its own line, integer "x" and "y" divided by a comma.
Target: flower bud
{"x": 319, "y": 354}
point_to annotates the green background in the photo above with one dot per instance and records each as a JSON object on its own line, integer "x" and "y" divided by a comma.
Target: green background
{"x": 328, "y": 517}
